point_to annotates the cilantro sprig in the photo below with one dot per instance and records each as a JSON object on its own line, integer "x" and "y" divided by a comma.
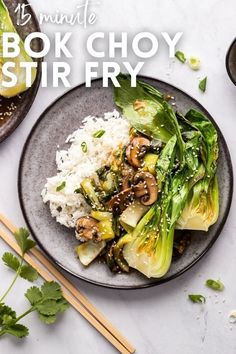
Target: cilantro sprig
{"x": 46, "y": 300}
{"x": 10, "y": 260}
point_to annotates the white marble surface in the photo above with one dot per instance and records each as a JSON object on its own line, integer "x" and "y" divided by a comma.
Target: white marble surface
{"x": 157, "y": 320}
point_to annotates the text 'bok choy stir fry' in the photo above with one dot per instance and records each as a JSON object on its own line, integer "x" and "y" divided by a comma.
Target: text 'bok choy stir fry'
{"x": 163, "y": 179}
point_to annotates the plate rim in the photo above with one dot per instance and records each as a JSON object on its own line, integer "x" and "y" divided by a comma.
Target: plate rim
{"x": 155, "y": 282}
{"x": 34, "y": 87}
{"x": 233, "y": 79}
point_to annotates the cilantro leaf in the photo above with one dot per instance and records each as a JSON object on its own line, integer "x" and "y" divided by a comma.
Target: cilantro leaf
{"x": 63, "y": 304}
{"x": 48, "y": 300}
{"x": 8, "y": 320}
{"x": 51, "y": 307}
{"x": 47, "y": 319}
{"x": 51, "y": 291}
{"x": 29, "y": 273}
{"x": 202, "y": 84}
{"x": 48, "y": 307}
{"x": 180, "y": 56}
{"x": 11, "y": 261}
{"x": 22, "y": 238}
{"x": 6, "y": 310}
{"x": 17, "y": 330}
{"x": 34, "y": 295}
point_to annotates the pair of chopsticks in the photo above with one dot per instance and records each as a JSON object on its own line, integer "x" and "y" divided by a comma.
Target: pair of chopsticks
{"x": 70, "y": 293}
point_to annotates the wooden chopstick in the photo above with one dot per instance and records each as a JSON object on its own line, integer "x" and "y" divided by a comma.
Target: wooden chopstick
{"x": 84, "y": 307}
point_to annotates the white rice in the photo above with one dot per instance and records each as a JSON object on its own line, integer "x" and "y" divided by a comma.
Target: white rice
{"x": 74, "y": 165}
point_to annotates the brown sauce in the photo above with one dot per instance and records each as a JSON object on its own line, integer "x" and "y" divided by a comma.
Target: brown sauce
{"x": 7, "y": 108}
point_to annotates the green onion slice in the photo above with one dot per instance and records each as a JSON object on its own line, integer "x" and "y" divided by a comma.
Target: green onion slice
{"x": 194, "y": 63}
{"x": 202, "y": 84}
{"x": 61, "y": 186}
{"x": 84, "y": 146}
{"x": 215, "y": 284}
{"x": 180, "y": 56}
{"x": 200, "y": 299}
{"x": 99, "y": 133}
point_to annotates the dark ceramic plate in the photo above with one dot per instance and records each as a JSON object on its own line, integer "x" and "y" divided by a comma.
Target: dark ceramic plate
{"x": 230, "y": 61}
{"x": 13, "y": 110}
{"x": 38, "y": 162}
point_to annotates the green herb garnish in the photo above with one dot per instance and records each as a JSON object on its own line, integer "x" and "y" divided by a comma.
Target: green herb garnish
{"x": 84, "y": 146}
{"x": 99, "y": 133}
{"x": 47, "y": 300}
{"x": 77, "y": 190}
{"x": 202, "y": 84}
{"x": 61, "y": 186}
{"x": 180, "y": 56}
{"x": 194, "y": 63}
{"x": 215, "y": 284}
{"x": 23, "y": 270}
{"x": 200, "y": 299}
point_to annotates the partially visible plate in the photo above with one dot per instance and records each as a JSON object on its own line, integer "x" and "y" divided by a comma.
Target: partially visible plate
{"x": 13, "y": 110}
{"x": 38, "y": 162}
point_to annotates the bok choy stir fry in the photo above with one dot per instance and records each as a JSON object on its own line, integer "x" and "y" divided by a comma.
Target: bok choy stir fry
{"x": 164, "y": 179}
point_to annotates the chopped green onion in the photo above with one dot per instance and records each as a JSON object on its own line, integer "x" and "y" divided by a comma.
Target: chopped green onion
{"x": 232, "y": 317}
{"x": 180, "y": 56}
{"x": 84, "y": 146}
{"x": 215, "y": 284}
{"x": 194, "y": 63}
{"x": 77, "y": 190}
{"x": 202, "y": 84}
{"x": 61, "y": 186}
{"x": 200, "y": 299}
{"x": 99, "y": 133}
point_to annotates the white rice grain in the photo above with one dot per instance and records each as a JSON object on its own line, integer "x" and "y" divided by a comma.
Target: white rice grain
{"x": 74, "y": 165}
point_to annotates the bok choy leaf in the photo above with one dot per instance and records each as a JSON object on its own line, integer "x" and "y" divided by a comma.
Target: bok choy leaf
{"x": 147, "y": 111}
{"x": 185, "y": 173}
{"x": 150, "y": 249}
{"x": 202, "y": 207}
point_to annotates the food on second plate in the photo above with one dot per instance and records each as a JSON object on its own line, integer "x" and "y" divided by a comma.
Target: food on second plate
{"x": 6, "y": 25}
{"x": 126, "y": 190}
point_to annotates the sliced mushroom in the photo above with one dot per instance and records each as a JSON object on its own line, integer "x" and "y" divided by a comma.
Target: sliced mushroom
{"x": 145, "y": 187}
{"x": 136, "y": 150}
{"x": 127, "y": 174}
{"x": 126, "y": 182}
{"x": 121, "y": 200}
{"x": 140, "y": 189}
{"x": 87, "y": 229}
